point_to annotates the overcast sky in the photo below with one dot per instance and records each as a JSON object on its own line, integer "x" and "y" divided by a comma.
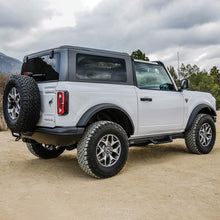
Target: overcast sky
{"x": 160, "y": 28}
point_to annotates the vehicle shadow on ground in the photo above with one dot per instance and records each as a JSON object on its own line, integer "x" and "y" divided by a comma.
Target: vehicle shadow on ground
{"x": 67, "y": 166}
{"x": 151, "y": 154}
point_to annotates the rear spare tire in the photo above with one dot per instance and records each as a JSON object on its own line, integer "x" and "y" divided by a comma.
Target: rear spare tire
{"x": 21, "y": 103}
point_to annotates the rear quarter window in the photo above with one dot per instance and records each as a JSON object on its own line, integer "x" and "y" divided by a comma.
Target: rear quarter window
{"x": 100, "y": 68}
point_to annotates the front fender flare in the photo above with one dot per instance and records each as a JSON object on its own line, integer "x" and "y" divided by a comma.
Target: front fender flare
{"x": 195, "y": 112}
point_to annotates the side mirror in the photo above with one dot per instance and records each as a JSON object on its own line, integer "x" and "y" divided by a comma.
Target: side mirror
{"x": 184, "y": 84}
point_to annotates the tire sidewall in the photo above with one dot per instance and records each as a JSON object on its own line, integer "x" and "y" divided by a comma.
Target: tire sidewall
{"x": 201, "y": 148}
{"x": 93, "y": 161}
{"x": 12, "y": 124}
{"x": 38, "y": 150}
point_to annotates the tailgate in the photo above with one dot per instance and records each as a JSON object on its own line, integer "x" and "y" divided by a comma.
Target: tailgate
{"x": 48, "y": 104}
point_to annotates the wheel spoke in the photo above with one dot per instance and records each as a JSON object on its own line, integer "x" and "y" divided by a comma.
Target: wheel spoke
{"x": 17, "y": 110}
{"x": 114, "y": 142}
{"x": 11, "y": 96}
{"x": 105, "y": 159}
{"x": 102, "y": 158}
{"x": 205, "y": 134}
{"x": 10, "y": 100}
{"x": 203, "y": 141}
{"x": 209, "y": 130}
{"x": 108, "y": 150}
{"x": 111, "y": 158}
{"x": 105, "y": 139}
{"x": 13, "y": 113}
{"x": 116, "y": 150}
{"x": 13, "y": 103}
{"x": 101, "y": 152}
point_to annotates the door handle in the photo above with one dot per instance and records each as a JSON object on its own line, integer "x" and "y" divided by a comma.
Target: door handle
{"x": 145, "y": 99}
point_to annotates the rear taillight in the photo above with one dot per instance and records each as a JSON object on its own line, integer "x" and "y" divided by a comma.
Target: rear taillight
{"x": 62, "y": 103}
{"x": 27, "y": 74}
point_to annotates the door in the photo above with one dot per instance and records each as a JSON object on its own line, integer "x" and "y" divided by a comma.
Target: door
{"x": 160, "y": 105}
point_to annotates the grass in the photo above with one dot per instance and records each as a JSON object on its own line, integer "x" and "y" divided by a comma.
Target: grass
{"x": 3, "y": 125}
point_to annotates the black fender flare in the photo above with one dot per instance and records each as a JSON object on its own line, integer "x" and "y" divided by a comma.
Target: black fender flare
{"x": 95, "y": 109}
{"x": 195, "y": 112}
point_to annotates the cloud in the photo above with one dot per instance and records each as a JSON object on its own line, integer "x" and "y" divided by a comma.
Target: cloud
{"x": 23, "y": 13}
{"x": 188, "y": 13}
{"x": 160, "y": 28}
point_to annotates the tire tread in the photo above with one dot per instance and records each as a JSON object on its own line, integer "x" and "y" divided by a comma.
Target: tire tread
{"x": 191, "y": 135}
{"x": 83, "y": 146}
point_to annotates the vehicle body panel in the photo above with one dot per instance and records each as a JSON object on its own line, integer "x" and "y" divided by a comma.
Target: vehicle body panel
{"x": 164, "y": 114}
{"x": 167, "y": 113}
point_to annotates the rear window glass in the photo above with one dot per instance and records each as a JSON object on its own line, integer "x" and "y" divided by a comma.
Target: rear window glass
{"x": 43, "y": 68}
{"x": 99, "y": 68}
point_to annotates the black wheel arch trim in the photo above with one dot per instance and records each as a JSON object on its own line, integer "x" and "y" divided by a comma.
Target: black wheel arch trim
{"x": 195, "y": 112}
{"x": 95, "y": 109}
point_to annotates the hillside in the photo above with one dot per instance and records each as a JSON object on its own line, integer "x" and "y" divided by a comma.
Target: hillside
{"x": 9, "y": 65}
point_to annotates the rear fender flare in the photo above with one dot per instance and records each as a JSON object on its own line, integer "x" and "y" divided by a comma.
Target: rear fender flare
{"x": 95, "y": 109}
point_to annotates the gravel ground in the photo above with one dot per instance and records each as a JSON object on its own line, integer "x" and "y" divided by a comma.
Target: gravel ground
{"x": 158, "y": 182}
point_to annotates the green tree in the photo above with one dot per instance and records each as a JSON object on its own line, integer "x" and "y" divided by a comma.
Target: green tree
{"x": 214, "y": 71}
{"x": 201, "y": 80}
{"x": 182, "y": 71}
{"x": 216, "y": 74}
{"x": 204, "y": 82}
{"x": 188, "y": 70}
{"x": 138, "y": 54}
{"x": 172, "y": 72}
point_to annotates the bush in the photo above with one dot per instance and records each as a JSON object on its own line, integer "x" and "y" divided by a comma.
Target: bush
{"x": 3, "y": 80}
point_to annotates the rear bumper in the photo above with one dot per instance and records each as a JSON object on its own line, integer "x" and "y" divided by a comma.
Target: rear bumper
{"x": 59, "y": 136}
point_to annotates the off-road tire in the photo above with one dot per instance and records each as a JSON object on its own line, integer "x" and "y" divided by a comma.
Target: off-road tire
{"x": 40, "y": 151}
{"x": 192, "y": 137}
{"x": 86, "y": 149}
{"x": 29, "y": 103}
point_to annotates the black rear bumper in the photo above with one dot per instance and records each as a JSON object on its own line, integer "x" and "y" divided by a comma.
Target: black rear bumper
{"x": 59, "y": 136}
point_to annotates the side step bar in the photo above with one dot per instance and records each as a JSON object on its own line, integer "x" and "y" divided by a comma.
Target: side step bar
{"x": 154, "y": 140}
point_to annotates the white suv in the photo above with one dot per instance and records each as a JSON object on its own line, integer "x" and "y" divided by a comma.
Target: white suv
{"x": 102, "y": 102}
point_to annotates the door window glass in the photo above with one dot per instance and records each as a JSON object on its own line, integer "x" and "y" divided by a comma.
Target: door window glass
{"x": 152, "y": 76}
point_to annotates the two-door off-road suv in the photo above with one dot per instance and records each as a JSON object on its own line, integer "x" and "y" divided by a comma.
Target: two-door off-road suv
{"x": 102, "y": 102}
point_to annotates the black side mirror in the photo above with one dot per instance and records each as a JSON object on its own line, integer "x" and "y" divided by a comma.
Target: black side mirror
{"x": 184, "y": 84}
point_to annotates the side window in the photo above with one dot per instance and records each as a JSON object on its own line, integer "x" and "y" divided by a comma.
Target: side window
{"x": 99, "y": 68}
{"x": 151, "y": 76}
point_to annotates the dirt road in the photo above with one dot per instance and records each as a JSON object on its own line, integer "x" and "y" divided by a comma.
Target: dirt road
{"x": 158, "y": 182}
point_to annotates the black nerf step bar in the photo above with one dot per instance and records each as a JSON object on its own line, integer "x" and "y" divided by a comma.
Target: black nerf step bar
{"x": 154, "y": 140}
